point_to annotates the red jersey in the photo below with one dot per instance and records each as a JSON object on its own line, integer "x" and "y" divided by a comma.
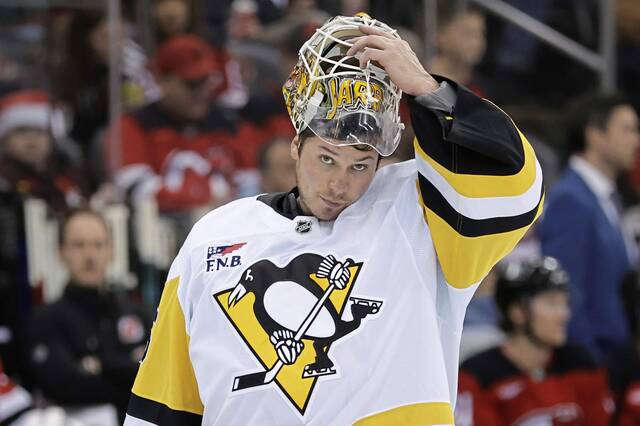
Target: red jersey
{"x": 493, "y": 391}
{"x": 59, "y": 185}
{"x": 624, "y": 373}
{"x": 183, "y": 165}
{"x": 630, "y": 407}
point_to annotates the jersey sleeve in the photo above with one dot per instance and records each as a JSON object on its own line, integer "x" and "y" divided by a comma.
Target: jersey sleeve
{"x": 480, "y": 185}
{"x": 165, "y": 391}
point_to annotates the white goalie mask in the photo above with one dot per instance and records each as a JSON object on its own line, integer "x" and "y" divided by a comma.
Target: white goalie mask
{"x": 343, "y": 104}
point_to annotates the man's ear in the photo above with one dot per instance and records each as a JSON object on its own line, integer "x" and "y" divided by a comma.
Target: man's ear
{"x": 517, "y": 315}
{"x": 593, "y": 137}
{"x": 295, "y": 148}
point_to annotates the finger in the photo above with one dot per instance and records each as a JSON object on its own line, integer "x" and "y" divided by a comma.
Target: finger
{"x": 366, "y": 29}
{"x": 371, "y": 54}
{"x": 374, "y": 41}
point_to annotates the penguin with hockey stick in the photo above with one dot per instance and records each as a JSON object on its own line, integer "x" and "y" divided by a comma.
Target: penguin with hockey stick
{"x": 321, "y": 324}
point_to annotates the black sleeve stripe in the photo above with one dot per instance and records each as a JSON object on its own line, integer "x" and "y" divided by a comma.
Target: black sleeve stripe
{"x": 466, "y": 226}
{"x": 480, "y": 140}
{"x": 160, "y": 414}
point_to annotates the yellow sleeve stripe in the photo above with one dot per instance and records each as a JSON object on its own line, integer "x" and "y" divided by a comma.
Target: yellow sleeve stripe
{"x": 422, "y": 414}
{"x": 482, "y": 186}
{"x": 166, "y": 374}
{"x": 467, "y": 260}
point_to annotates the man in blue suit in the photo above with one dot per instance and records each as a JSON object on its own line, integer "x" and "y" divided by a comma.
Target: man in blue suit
{"x": 581, "y": 226}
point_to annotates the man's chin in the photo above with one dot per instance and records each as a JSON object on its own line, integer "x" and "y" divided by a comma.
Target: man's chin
{"x": 327, "y": 214}
{"x": 328, "y": 218}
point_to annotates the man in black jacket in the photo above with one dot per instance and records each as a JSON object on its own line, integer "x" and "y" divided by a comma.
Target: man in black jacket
{"x": 86, "y": 346}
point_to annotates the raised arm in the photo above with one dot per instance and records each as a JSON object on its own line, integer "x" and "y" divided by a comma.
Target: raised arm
{"x": 479, "y": 181}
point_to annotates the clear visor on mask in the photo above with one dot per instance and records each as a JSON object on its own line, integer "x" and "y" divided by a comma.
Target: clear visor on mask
{"x": 350, "y": 111}
{"x": 357, "y": 128}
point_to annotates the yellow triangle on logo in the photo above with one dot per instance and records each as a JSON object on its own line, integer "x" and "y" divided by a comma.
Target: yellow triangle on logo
{"x": 289, "y": 379}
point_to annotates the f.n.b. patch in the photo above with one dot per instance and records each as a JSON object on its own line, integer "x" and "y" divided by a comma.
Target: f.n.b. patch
{"x": 221, "y": 257}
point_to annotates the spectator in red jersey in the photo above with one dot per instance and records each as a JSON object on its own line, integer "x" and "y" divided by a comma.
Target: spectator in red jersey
{"x": 461, "y": 44}
{"x": 533, "y": 378}
{"x": 180, "y": 149}
{"x": 624, "y": 362}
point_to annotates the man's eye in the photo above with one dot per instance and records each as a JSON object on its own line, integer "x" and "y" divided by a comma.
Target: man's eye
{"x": 359, "y": 167}
{"x": 326, "y": 159}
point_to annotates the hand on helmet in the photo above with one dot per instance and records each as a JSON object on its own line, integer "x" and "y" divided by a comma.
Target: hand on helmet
{"x": 396, "y": 57}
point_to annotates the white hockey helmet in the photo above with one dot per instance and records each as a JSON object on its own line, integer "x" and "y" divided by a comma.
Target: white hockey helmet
{"x": 338, "y": 101}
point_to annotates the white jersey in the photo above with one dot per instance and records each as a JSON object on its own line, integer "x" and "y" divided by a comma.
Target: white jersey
{"x": 275, "y": 320}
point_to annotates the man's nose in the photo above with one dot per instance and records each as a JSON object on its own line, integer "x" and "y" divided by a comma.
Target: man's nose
{"x": 339, "y": 184}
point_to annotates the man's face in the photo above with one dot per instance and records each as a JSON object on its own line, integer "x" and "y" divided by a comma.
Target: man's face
{"x": 548, "y": 315}
{"x": 186, "y": 100}
{"x": 172, "y": 16}
{"x": 280, "y": 172}
{"x": 331, "y": 178}
{"x": 621, "y": 138}
{"x": 464, "y": 39}
{"x": 86, "y": 251}
{"x": 99, "y": 39}
{"x": 29, "y": 146}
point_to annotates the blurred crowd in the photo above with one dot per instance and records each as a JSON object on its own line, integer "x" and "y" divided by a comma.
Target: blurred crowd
{"x": 178, "y": 103}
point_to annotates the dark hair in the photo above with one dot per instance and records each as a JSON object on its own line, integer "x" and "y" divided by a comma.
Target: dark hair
{"x": 519, "y": 282}
{"x": 79, "y": 60}
{"x": 77, "y": 212}
{"x": 590, "y": 111}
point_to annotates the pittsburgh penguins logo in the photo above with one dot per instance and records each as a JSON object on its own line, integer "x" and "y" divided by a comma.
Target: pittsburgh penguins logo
{"x": 289, "y": 317}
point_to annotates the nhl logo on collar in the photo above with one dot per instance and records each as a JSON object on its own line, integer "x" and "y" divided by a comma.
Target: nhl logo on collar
{"x": 303, "y": 226}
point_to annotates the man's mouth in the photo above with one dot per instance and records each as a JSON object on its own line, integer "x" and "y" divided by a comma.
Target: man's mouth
{"x": 332, "y": 204}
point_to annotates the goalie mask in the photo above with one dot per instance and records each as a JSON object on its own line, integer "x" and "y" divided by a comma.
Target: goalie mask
{"x": 337, "y": 100}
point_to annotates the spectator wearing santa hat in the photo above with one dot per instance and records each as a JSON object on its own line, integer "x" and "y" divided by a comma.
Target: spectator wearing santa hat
{"x": 30, "y": 166}
{"x": 29, "y": 163}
